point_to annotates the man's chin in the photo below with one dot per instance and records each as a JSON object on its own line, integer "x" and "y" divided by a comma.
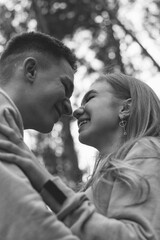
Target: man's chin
{"x": 45, "y": 129}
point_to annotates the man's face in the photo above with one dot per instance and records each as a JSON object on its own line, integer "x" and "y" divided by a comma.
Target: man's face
{"x": 50, "y": 96}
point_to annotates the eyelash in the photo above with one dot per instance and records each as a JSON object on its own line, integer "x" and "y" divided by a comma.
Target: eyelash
{"x": 66, "y": 89}
{"x": 89, "y": 98}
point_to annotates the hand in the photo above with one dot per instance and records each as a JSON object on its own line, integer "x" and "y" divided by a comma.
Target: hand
{"x": 16, "y": 151}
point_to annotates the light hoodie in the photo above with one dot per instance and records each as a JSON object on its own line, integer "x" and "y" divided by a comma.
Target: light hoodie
{"x": 116, "y": 213}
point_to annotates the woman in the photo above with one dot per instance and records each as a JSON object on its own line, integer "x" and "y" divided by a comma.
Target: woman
{"x": 120, "y": 117}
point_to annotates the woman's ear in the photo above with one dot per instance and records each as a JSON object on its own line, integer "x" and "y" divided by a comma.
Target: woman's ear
{"x": 125, "y": 109}
{"x": 30, "y": 69}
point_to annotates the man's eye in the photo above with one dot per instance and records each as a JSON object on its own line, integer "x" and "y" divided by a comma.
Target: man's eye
{"x": 66, "y": 90}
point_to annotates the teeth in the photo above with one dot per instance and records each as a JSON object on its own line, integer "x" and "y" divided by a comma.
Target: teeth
{"x": 83, "y": 122}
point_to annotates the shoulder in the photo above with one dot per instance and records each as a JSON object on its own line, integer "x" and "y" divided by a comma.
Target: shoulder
{"x": 147, "y": 147}
{"x": 6, "y": 102}
{"x": 145, "y": 156}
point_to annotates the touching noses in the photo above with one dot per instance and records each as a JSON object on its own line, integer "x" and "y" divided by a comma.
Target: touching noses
{"x": 78, "y": 112}
{"x": 67, "y": 109}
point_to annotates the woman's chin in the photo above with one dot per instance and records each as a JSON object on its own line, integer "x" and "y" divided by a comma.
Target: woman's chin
{"x": 85, "y": 140}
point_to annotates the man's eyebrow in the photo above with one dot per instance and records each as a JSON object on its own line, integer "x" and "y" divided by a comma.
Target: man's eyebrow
{"x": 87, "y": 95}
{"x": 71, "y": 86}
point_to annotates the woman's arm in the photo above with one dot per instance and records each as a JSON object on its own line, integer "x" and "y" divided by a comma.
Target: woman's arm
{"x": 14, "y": 150}
{"x": 122, "y": 219}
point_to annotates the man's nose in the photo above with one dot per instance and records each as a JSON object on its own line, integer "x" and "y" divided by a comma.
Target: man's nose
{"x": 67, "y": 109}
{"x": 78, "y": 112}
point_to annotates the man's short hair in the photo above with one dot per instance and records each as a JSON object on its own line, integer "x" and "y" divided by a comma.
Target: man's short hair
{"x": 36, "y": 42}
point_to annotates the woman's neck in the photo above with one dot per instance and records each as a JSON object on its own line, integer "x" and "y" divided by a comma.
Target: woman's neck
{"x": 110, "y": 146}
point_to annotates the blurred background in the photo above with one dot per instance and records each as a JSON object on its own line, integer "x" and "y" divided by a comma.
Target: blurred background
{"x": 123, "y": 35}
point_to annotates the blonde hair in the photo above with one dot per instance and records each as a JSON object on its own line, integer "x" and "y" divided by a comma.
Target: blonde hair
{"x": 144, "y": 120}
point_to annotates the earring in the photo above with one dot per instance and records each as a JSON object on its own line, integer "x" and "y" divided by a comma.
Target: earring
{"x": 123, "y": 124}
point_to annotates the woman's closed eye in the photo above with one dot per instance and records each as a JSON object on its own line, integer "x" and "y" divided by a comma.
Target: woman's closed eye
{"x": 89, "y": 98}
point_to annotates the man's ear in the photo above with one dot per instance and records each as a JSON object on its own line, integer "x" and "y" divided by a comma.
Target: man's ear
{"x": 125, "y": 109}
{"x": 30, "y": 69}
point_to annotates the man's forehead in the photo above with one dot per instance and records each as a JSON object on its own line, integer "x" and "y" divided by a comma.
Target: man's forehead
{"x": 69, "y": 80}
{"x": 67, "y": 67}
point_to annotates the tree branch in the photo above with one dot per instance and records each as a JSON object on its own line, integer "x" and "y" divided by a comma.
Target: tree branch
{"x": 129, "y": 32}
{"x": 40, "y": 19}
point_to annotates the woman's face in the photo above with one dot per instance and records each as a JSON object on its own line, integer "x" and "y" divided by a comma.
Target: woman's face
{"x": 98, "y": 116}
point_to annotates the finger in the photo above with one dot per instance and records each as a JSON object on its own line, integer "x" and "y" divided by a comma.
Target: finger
{"x": 22, "y": 162}
{"x": 9, "y": 118}
{"x": 5, "y": 130}
{"x": 10, "y": 158}
{"x": 10, "y": 134}
{"x": 11, "y": 148}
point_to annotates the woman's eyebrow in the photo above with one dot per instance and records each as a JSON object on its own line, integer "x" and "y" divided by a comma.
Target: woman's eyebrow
{"x": 86, "y": 96}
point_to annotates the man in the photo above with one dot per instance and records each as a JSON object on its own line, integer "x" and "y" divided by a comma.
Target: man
{"x": 36, "y": 78}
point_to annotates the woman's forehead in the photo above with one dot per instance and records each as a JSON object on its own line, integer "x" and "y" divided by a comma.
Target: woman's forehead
{"x": 97, "y": 88}
{"x": 101, "y": 86}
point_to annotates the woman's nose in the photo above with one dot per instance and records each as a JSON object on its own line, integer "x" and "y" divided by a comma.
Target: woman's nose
{"x": 78, "y": 112}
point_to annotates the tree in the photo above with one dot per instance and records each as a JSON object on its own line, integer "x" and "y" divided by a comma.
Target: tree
{"x": 97, "y": 26}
